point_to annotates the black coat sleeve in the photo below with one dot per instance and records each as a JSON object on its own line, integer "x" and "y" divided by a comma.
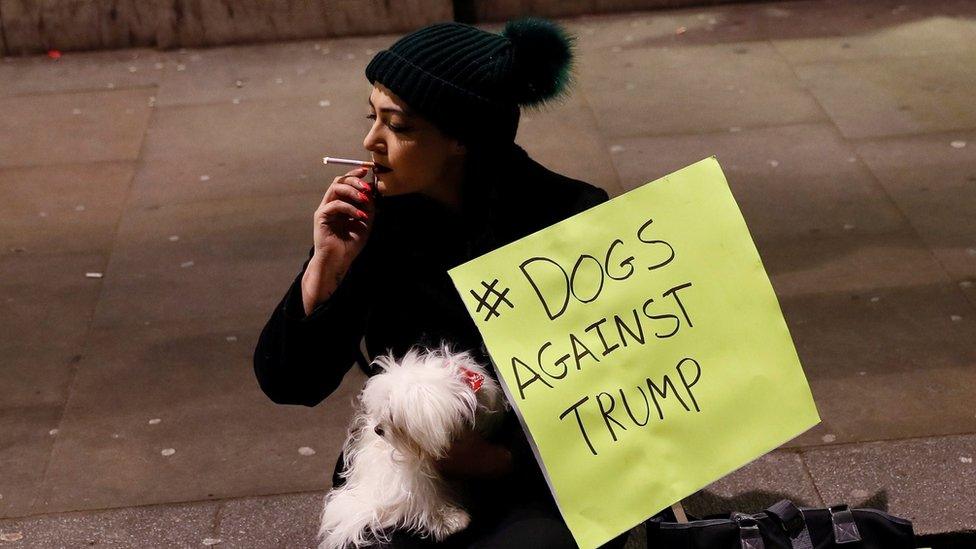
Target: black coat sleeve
{"x": 568, "y": 197}
{"x": 590, "y": 196}
{"x": 301, "y": 359}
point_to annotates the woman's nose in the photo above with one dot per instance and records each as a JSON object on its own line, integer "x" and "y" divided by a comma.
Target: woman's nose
{"x": 371, "y": 141}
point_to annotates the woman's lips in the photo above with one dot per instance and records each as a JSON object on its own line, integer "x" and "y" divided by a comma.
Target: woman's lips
{"x": 380, "y": 168}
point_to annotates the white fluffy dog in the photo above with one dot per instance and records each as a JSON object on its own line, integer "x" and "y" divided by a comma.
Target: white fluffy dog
{"x": 407, "y": 417}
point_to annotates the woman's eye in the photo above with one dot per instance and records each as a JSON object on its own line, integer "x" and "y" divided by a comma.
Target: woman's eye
{"x": 391, "y": 126}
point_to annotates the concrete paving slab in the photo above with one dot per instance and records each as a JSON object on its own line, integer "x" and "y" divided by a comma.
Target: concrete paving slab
{"x": 47, "y": 304}
{"x": 67, "y": 208}
{"x": 895, "y": 96}
{"x": 321, "y": 69}
{"x": 286, "y": 520}
{"x": 837, "y": 31}
{"x": 892, "y": 406}
{"x": 81, "y": 127}
{"x": 43, "y": 341}
{"x": 932, "y": 178}
{"x": 564, "y": 139}
{"x": 881, "y": 331}
{"x": 854, "y": 266}
{"x": 761, "y": 483}
{"x": 930, "y": 481}
{"x": 87, "y": 71}
{"x": 217, "y": 259}
{"x": 203, "y": 23}
{"x": 874, "y": 319}
{"x": 48, "y": 294}
{"x": 37, "y": 372}
{"x": 185, "y": 525}
{"x": 655, "y": 91}
{"x": 261, "y": 148}
{"x": 870, "y": 330}
{"x": 808, "y": 28}
{"x": 203, "y": 75}
{"x": 217, "y": 436}
{"x": 290, "y": 520}
{"x": 958, "y": 256}
{"x": 690, "y": 26}
{"x": 27, "y": 434}
{"x": 789, "y": 181}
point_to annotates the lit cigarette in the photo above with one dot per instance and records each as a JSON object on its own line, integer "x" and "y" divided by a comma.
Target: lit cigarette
{"x": 330, "y": 160}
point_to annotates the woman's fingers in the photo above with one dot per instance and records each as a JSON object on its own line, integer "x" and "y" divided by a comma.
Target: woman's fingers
{"x": 351, "y": 189}
{"x": 341, "y": 207}
{"x": 354, "y": 177}
{"x": 354, "y": 196}
{"x": 351, "y": 178}
{"x": 347, "y": 198}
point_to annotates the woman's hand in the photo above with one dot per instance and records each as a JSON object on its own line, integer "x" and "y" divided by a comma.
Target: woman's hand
{"x": 341, "y": 226}
{"x": 471, "y": 456}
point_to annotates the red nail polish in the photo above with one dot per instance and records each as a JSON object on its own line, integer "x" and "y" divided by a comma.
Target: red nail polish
{"x": 362, "y": 215}
{"x": 363, "y": 197}
{"x": 366, "y": 186}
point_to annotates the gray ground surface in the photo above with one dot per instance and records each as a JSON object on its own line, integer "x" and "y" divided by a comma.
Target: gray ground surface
{"x": 847, "y": 131}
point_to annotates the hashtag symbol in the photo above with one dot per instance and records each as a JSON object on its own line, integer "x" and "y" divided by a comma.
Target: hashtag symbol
{"x": 499, "y": 298}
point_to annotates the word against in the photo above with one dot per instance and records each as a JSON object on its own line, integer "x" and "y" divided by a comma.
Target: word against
{"x": 607, "y": 335}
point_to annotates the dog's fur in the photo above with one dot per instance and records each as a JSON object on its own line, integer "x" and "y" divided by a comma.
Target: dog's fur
{"x": 407, "y": 417}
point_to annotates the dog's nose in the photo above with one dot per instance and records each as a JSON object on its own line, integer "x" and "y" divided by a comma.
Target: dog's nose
{"x": 378, "y": 430}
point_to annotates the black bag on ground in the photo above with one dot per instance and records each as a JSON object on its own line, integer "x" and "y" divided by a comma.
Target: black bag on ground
{"x": 784, "y": 526}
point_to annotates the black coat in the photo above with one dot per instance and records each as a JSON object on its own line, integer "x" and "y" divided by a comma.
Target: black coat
{"x": 397, "y": 292}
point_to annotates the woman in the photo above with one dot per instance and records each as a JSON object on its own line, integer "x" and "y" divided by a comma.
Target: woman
{"x": 445, "y": 107}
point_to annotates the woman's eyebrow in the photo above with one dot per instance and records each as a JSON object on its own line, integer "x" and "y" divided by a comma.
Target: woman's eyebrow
{"x": 389, "y": 109}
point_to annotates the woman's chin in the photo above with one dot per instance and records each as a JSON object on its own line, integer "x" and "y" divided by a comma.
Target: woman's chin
{"x": 385, "y": 186}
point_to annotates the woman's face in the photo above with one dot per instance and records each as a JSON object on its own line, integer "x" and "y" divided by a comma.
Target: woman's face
{"x": 421, "y": 157}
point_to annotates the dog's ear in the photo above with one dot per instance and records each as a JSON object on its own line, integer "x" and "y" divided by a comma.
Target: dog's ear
{"x": 428, "y": 416}
{"x": 489, "y": 393}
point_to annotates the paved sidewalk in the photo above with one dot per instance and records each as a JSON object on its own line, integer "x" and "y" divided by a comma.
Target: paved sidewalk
{"x": 184, "y": 181}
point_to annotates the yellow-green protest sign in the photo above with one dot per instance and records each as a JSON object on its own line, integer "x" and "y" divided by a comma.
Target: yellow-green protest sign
{"x": 643, "y": 348}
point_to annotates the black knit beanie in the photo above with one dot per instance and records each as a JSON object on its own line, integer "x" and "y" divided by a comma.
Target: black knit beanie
{"x": 471, "y": 83}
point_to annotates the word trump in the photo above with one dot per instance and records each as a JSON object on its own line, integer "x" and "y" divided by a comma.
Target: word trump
{"x": 637, "y": 410}
{"x": 586, "y": 279}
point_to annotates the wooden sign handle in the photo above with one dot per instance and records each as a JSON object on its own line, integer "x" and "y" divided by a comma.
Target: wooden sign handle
{"x": 679, "y": 512}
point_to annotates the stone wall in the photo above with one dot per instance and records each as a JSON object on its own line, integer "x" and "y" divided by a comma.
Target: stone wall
{"x": 503, "y": 10}
{"x": 32, "y": 26}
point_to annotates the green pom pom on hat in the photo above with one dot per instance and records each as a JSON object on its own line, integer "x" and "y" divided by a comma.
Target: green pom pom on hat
{"x": 472, "y": 83}
{"x": 543, "y": 60}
